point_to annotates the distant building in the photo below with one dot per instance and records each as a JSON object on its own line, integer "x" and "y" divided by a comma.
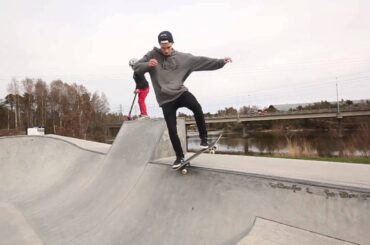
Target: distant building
{"x": 36, "y": 131}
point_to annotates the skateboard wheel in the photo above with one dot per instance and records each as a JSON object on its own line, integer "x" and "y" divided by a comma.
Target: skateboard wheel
{"x": 212, "y": 151}
{"x": 184, "y": 171}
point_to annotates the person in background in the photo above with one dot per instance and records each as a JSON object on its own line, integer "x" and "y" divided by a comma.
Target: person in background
{"x": 142, "y": 89}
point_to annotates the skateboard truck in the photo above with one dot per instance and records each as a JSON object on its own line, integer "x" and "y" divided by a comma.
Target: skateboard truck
{"x": 211, "y": 149}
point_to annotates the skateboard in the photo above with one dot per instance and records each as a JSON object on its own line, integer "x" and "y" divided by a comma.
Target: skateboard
{"x": 211, "y": 149}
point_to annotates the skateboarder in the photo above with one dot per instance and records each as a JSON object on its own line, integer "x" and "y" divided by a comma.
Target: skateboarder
{"x": 142, "y": 89}
{"x": 168, "y": 69}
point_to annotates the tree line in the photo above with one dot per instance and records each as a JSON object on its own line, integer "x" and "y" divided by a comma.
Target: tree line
{"x": 71, "y": 110}
{"x": 59, "y": 107}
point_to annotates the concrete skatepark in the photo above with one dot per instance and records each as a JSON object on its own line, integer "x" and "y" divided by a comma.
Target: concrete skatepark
{"x": 59, "y": 190}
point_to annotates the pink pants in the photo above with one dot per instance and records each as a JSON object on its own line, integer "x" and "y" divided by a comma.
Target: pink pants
{"x": 142, "y": 95}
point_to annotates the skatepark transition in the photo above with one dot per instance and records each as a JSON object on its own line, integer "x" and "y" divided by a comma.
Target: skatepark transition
{"x": 59, "y": 190}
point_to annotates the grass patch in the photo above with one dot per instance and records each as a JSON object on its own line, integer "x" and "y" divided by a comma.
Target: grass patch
{"x": 348, "y": 159}
{"x": 361, "y": 160}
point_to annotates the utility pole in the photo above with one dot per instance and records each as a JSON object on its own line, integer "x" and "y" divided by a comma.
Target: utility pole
{"x": 120, "y": 112}
{"x": 339, "y": 117}
{"x": 336, "y": 84}
{"x": 8, "y": 119}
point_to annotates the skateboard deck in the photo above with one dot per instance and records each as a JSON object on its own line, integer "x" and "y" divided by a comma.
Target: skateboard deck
{"x": 211, "y": 148}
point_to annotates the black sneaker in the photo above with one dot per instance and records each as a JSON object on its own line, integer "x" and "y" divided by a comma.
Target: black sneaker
{"x": 204, "y": 143}
{"x": 177, "y": 163}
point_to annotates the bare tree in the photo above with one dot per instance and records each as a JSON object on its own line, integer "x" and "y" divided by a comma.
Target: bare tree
{"x": 62, "y": 108}
{"x": 84, "y": 110}
{"x": 13, "y": 89}
{"x": 104, "y": 104}
{"x": 4, "y": 113}
{"x": 56, "y": 107}
{"x": 100, "y": 105}
{"x": 228, "y": 111}
{"x": 10, "y": 101}
{"x": 28, "y": 87}
{"x": 245, "y": 110}
{"x": 41, "y": 95}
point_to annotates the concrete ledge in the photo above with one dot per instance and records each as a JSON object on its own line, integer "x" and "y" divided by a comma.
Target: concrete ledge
{"x": 346, "y": 176}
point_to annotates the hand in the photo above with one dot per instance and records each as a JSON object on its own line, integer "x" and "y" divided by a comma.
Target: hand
{"x": 227, "y": 60}
{"x": 136, "y": 91}
{"x": 153, "y": 62}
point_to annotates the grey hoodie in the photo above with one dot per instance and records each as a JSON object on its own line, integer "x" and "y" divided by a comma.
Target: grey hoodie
{"x": 169, "y": 75}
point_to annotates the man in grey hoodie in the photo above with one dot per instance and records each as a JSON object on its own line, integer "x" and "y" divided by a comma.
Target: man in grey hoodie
{"x": 168, "y": 71}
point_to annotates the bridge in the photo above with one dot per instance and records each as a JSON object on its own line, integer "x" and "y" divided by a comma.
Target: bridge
{"x": 244, "y": 119}
{"x": 111, "y": 129}
{"x": 283, "y": 116}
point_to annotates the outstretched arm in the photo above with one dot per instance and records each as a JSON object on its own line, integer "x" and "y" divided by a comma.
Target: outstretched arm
{"x": 201, "y": 63}
{"x": 143, "y": 65}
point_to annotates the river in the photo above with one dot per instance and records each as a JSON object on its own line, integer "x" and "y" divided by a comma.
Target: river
{"x": 296, "y": 144}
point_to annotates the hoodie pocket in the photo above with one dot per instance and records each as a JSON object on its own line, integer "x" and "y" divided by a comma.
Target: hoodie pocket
{"x": 171, "y": 88}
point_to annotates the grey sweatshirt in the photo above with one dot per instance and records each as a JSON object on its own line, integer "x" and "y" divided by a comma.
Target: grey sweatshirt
{"x": 169, "y": 75}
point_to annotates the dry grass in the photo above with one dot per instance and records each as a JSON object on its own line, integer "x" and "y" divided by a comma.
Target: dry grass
{"x": 362, "y": 140}
{"x": 300, "y": 148}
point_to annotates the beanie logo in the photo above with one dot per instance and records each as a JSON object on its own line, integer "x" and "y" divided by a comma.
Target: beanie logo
{"x": 165, "y": 36}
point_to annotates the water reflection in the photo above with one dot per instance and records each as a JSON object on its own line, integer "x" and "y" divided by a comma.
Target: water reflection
{"x": 323, "y": 144}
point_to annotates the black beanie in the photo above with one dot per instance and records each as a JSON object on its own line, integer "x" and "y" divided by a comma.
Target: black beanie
{"x": 164, "y": 37}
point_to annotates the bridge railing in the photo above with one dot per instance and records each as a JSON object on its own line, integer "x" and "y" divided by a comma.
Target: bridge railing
{"x": 285, "y": 113}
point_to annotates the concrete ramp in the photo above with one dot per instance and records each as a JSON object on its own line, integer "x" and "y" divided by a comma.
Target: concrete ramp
{"x": 215, "y": 207}
{"x": 31, "y": 167}
{"x": 69, "y": 195}
{"x": 268, "y": 232}
{"x": 56, "y": 192}
{"x": 16, "y": 227}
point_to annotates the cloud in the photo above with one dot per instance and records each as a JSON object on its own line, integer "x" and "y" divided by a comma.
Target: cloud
{"x": 274, "y": 44}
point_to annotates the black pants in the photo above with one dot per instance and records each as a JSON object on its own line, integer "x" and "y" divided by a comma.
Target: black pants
{"x": 187, "y": 100}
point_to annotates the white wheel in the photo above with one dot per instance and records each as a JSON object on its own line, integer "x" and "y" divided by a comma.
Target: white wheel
{"x": 212, "y": 151}
{"x": 184, "y": 171}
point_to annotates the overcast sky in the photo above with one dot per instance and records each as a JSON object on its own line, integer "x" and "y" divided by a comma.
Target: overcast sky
{"x": 283, "y": 51}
